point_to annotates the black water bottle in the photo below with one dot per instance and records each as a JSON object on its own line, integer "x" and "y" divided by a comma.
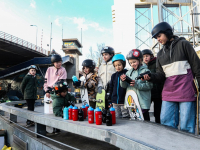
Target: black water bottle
{"x": 104, "y": 112}
{"x": 80, "y": 115}
{"x": 108, "y": 118}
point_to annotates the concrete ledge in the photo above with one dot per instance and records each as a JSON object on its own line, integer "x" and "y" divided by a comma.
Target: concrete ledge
{"x": 125, "y": 134}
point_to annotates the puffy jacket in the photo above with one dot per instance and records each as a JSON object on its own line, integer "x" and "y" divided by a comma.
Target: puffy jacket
{"x": 29, "y": 87}
{"x": 104, "y": 73}
{"x": 177, "y": 64}
{"x": 156, "y": 91}
{"x": 60, "y": 102}
{"x": 53, "y": 75}
{"x": 116, "y": 91}
{"x": 142, "y": 88}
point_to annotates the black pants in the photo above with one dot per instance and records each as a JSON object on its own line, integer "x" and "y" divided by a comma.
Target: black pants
{"x": 30, "y": 104}
{"x": 146, "y": 116}
{"x": 157, "y": 109}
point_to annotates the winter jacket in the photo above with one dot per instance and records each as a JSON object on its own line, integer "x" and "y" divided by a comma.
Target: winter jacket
{"x": 104, "y": 73}
{"x": 90, "y": 84}
{"x": 29, "y": 87}
{"x": 53, "y": 75}
{"x": 156, "y": 91}
{"x": 142, "y": 88}
{"x": 60, "y": 102}
{"x": 116, "y": 91}
{"x": 176, "y": 64}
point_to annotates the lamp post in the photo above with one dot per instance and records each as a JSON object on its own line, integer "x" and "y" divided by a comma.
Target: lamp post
{"x": 36, "y": 32}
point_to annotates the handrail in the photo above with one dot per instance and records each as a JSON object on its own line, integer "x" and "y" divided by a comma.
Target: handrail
{"x": 21, "y": 42}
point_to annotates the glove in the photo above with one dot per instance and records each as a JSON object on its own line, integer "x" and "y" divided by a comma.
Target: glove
{"x": 77, "y": 84}
{"x": 100, "y": 89}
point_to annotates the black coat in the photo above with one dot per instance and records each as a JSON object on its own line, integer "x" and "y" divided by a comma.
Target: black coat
{"x": 29, "y": 87}
{"x": 116, "y": 91}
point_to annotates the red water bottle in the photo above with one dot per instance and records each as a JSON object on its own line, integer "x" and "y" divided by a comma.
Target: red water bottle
{"x": 86, "y": 107}
{"x": 98, "y": 116}
{"x": 112, "y": 111}
{"x": 90, "y": 115}
{"x": 70, "y": 112}
{"x": 84, "y": 111}
{"x": 75, "y": 113}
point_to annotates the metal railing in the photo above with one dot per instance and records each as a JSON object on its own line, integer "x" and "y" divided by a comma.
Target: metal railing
{"x": 21, "y": 42}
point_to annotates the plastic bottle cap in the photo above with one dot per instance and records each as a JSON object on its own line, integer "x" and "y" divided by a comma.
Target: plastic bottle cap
{"x": 65, "y": 108}
{"x": 86, "y": 105}
{"x": 112, "y": 109}
{"x": 90, "y": 109}
{"x": 70, "y": 107}
{"x": 83, "y": 106}
{"x": 75, "y": 107}
{"x": 97, "y": 109}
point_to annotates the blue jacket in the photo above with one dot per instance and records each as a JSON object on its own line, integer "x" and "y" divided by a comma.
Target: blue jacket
{"x": 116, "y": 91}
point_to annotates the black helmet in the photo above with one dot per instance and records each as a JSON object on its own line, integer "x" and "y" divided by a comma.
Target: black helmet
{"x": 134, "y": 54}
{"x": 60, "y": 86}
{"x": 108, "y": 49}
{"x": 89, "y": 63}
{"x": 32, "y": 67}
{"x": 147, "y": 51}
{"x": 55, "y": 58}
{"x": 162, "y": 27}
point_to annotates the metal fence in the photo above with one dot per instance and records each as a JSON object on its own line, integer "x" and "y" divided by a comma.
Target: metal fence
{"x": 21, "y": 42}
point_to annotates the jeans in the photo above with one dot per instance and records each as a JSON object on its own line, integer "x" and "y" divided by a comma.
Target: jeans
{"x": 170, "y": 115}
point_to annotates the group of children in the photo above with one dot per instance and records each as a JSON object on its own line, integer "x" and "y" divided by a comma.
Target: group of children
{"x": 173, "y": 71}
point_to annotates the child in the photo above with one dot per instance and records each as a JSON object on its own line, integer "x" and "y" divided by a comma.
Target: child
{"x": 142, "y": 88}
{"x": 54, "y": 74}
{"x": 105, "y": 70}
{"x": 177, "y": 64}
{"x": 91, "y": 80}
{"x": 156, "y": 91}
{"x": 116, "y": 91}
{"x": 61, "y": 98}
{"x": 29, "y": 90}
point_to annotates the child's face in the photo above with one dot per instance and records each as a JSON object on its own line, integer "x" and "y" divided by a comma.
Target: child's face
{"x": 57, "y": 64}
{"x": 118, "y": 66}
{"x": 64, "y": 93}
{"x": 134, "y": 63}
{"x": 161, "y": 38}
{"x": 86, "y": 70}
{"x": 146, "y": 58}
{"x": 32, "y": 71}
{"x": 106, "y": 56}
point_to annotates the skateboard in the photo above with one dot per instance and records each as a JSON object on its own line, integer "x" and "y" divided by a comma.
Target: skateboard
{"x": 100, "y": 100}
{"x": 84, "y": 93}
{"x": 133, "y": 105}
{"x": 48, "y": 106}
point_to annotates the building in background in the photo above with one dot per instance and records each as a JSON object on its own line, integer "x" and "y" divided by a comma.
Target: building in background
{"x": 133, "y": 21}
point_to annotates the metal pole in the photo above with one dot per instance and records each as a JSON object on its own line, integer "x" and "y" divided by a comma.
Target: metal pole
{"x": 62, "y": 31}
{"x": 50, "y": 37}
{"x": 36, "y": 35}
{"x": 192, "y": 23}
{"x": 81, "y": 39}
{"x": 181, "y": 17}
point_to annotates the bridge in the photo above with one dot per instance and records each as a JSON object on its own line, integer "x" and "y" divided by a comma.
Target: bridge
{"x": 14, "y": 50}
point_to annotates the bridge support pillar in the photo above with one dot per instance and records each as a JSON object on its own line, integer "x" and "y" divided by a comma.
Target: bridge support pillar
{"x": 41, "y": 129}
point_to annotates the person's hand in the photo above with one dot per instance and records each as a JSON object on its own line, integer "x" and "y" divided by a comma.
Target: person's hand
{"x": 100, "y": 89}
{"x": 146, "y": 77}
{"x": 48, "y": 95}
{"x": 123, "y": 77}
{"x": 132, "y": 83}
{"x": 110, "y": 105}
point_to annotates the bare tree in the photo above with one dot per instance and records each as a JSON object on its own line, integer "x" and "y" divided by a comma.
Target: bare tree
{"x": 96, "y": 54}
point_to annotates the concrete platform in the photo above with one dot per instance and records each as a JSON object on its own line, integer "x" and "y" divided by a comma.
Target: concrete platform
{"x": 125, "y": 134}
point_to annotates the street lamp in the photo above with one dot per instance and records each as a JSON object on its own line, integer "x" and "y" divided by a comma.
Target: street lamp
{"x": 36, "y": 32}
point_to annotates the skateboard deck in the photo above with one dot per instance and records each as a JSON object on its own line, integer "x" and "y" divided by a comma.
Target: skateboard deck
{"x": 84, "y": 93}
{"x": 48, "y": 106}
{"x": 133, "y": 105}
{"x": 100, "y": 100}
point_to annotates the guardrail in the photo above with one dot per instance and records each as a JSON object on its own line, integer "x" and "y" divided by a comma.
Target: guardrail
{"x": 21, "y": 42}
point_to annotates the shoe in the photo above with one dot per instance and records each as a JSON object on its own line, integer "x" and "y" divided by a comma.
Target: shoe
{"x": 56, "y": 131}
{"x": 28, "y": 123}
{"x": 32, "y": 123}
